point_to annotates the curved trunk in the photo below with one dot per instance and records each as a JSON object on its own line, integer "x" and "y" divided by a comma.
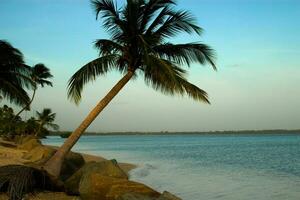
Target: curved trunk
{"x": 53, "y": 165}
{"x": 38, "y": 130}
{"x": 29, "y": 103}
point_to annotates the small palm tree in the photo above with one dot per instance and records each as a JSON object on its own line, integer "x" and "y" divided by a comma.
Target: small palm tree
{"x": 45, "y": 119}
{"x": 138, "y": 46}
{"x": 39, "y": 75}
{"x": 14, "y": 75}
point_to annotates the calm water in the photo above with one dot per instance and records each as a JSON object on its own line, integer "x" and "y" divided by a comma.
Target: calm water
{"x": 230, "y": 167}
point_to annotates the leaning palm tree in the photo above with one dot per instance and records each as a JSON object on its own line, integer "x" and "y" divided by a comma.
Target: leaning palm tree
{"x": 39, "y": 75}
{"x": 14, "y": 75}
{"x": 138, "y": 46}
{"x": 45, "y": 119}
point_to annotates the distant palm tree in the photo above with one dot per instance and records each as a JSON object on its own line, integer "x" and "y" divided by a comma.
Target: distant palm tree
{"x": 45, "y": 119}
{"x": 138, "y": 46}
{"x": 39, "y": 75}
{"x": 13, "y": 75}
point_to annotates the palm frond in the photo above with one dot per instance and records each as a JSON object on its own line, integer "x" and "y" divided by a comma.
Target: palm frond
{"x": 11, "y": 55}
{"x": 53, "y": 126}
{"x": 151, "y": 8}
{"x": 177, "y": 22}
{"x": 89, "y": 72}
{"x": 110, "y": 16}
{"x": 40, "y": 73}
{"x": 18, "y": 180}
{"x": 192, "y": 90}
{"x": 159, "y": 19}
{"x": 107, "y": 7}
{"x": 14, "y": 74}
{"x": 168, "y": 78}
{"x": 13, "y": 92}
{"x": 107, "y": 47}
{"x": 186, "y": 53}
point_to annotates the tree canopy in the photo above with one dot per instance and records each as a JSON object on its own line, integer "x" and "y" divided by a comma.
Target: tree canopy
{"x": 139, "y": 41}
{"x": 14, "y": 75}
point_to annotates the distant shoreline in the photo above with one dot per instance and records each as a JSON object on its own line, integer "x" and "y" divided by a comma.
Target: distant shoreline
{"x": 241, "y": 132}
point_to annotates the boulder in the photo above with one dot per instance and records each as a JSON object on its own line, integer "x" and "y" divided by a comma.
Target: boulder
{"x": 30, "y": 144}
{"x": 104, "y": 168}
{"x": 168, "y": 196}
{"x": 96, "y": 186}
{"x": 72, "y": 163}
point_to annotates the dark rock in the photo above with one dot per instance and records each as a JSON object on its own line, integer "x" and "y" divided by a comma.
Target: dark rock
{"x": 72, "y": 163}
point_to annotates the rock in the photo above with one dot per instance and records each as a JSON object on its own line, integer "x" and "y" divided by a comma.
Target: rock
{"x": 104, "y": 168}
{"x": 168, "y": 196}
{"x": 132, "y": 196}
{"x": 72, "y": 163}
{"x": 30, "y": 144}
{"x": 96, "y": 186}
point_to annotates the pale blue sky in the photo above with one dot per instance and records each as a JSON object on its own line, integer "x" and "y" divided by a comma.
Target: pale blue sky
{"x": 256, "y": 86}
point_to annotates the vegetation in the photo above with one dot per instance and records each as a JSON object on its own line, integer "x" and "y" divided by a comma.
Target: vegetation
{"x": 12, "y": 125}
{"x": 64, "y": 134}
{"x": 15, "y": 79}
{"x": 14, "y": 75}
{"x": 38, "y": 74}
{"x": 45, "y": 119}
{"x": 139, "y": 45}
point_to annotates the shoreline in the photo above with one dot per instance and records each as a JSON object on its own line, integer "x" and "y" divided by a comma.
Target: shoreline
{"x": 10, "y": 154}
{"x": 200, "y": 133}
{"x": 127, "y": 167}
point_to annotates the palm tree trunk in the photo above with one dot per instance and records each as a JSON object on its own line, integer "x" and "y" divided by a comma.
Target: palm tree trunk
{"x": 29, "y": 103}
{"x": 38, "y": 130}
{"x": 53, "y": 165}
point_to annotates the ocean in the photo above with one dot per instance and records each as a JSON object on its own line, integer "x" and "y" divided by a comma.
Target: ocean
{"x": 206, "y": 167}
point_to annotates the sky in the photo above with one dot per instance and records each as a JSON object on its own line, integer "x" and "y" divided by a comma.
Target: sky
{"x": 256, "y": 86}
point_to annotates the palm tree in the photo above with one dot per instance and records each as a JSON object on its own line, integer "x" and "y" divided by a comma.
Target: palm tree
{"x": 13, "y": 75}
{"x": 46, "y": 118}
{"x": 39, "y": 75}
{"x": 138, "y": 46}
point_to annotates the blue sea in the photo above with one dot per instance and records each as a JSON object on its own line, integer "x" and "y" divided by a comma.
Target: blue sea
{"x": 207, "y": 167}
